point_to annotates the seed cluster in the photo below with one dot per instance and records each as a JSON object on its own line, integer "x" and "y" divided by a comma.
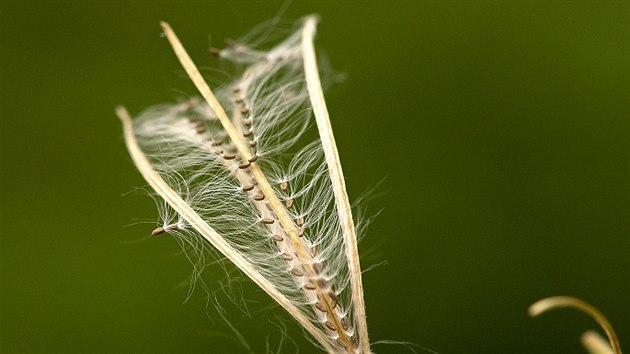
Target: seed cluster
{"x": 308, "y": 274}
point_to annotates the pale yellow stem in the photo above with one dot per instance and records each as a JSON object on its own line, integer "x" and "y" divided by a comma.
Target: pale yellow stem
{"x": 557, "y": 302}
{"x": 595, "y": 344}
{"x": 342, "y": 202}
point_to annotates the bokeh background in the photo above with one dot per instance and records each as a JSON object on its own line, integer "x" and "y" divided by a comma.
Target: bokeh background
{"x": 500, "y": 129}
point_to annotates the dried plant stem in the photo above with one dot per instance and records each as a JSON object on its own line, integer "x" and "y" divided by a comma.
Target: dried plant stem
{"x": 342, "y": 201}
{"x": 557, "y": 302}
{"x": 278, "y": 208}
{"x": 173, "y": 199}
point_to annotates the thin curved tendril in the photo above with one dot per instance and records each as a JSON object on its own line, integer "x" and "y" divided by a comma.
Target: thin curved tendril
{"x": 557, "y": 302}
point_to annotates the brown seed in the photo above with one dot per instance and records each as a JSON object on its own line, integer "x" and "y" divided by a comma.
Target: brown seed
{"x": 229, "y": 156}
{"x": 289, "y": 203}
{"x": 344, "y": 323}
{"x": 215, "y": 52}
{"x": 244, "y": 165}
{"x": 317, "y": 267}
{"x": 236, "y": 89}
{"x": 341, "y": 343}
{"x": 284, "y": 186}
{"x": 252, "y": 143}
{"x": 158, "y": 231}
{"x": 217, "y": 142}
{"x": 248, "y": 187}
{"x": 300, "y": 231}
{"x": 297, "y": 272}
{"x": 162, "y": 229}
{"x": 239, "y": 100}
{"x": 200, "y": 129}
{"x": 354, "y": 341}
{"x": 259, "y": 197}
{"x": 310, "y": 286}
{"x": 247, "y": 121}
{"x": 277, "y": 238}
{"x": 330, "y": 326}
{"x": 320, "y": 306}
{"x": 269, "y": 207}
{"x": 313, "y": 251}
{"x": 244, "y": 110}
{"x": 333, "y": 299}
{"x": 267, "y": 221}
{"x": 322, "y": 283}
{"x": 248, "y": 133}
{"x": 300, "y": 221}
{"x": 253, "y": 158}
{"x": 286, "y": 256}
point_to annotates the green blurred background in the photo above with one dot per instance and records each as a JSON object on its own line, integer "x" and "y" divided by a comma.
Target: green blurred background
{"x": 501, "y": 128}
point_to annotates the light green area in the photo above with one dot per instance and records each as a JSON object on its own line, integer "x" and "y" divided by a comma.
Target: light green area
{"x": 501, "y": 126}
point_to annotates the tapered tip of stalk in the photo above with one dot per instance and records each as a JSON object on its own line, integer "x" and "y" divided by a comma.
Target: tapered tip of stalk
{"x": 595, "y": 344}
{"x": 122, "y": 114}
{"x": 539, "y": 307}
{"x": 312, "y": 19}
{"x": 555, "y": 302}
{"x": 165, "y": 26}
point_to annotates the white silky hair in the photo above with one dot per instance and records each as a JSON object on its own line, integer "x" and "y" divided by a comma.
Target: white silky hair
{"x": 269, "y": 104}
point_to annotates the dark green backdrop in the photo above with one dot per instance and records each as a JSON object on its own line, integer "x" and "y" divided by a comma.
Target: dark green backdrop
{"x": 501, "y": 128}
